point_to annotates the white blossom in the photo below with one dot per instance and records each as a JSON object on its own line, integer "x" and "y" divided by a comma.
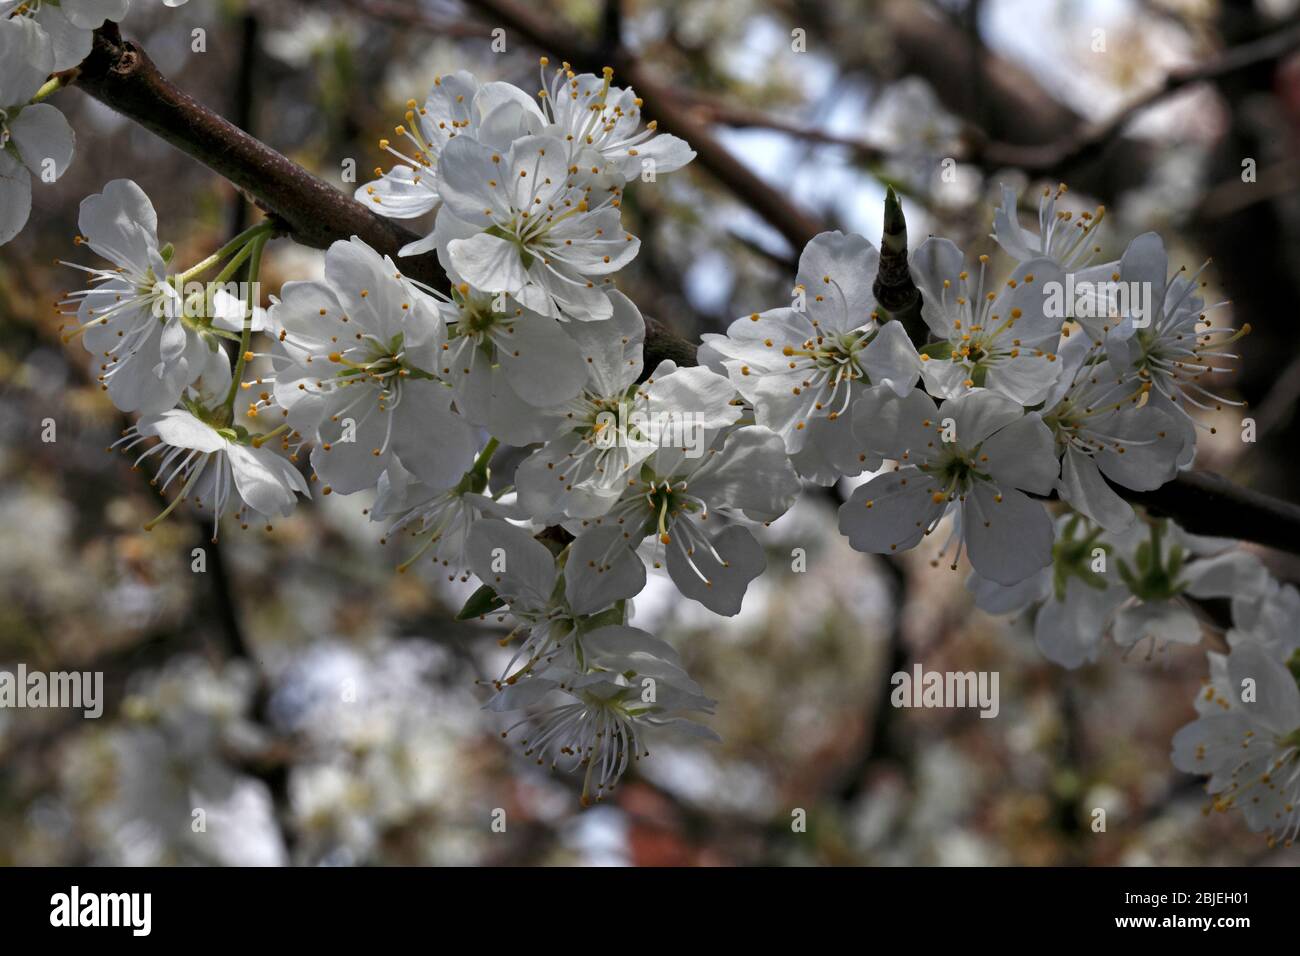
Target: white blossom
{"x": 550, "y": 604}
{"x": 996, "y": 335}
{"x": 633, "y": 684}
{"x": 215, "y": 465}
{"x": 509, "y": 367}
{"x": 1062, "y": 236}
{"x": 1105, "y": 433}
{"x": 1175, "y": 347}
{"x": 604, "y": 433}
{"x": 132, "y": 320}
{"x": 803, "y": 367}
{"x": 458, "y": 104}
{"x": 1247, "y": 740}
{"x": 677, "y": 501}
{"x": 35, "y": 139}
{"x": 587, "y": 111}
{"x": 1167, "y": 563}
{"x": 994, "y": 452}
{"x": 529, "y": 222}
{"x": 439, "y": 519}
{"x": 356, "y": 357}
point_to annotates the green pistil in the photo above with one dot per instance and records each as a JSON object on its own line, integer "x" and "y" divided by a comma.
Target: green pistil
{"x": 524, "y": 254}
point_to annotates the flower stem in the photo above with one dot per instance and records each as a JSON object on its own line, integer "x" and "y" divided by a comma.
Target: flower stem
{"x": 239, "y": 244}
{"x": 485, "y": 456}
{"x": 255, "y": 248}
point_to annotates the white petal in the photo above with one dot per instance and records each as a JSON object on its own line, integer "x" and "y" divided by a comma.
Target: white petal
{"x": 466, "y": 172}
{"x": 935, "y": 261}
{"x": 1023, "y": 455}
{"x": 1008, "y": 540}
{"x": 15, "y": 196}
{"x": 26, "y": 59}
{"x": 699, "y": 394}
{"x": 89, "y": 14}
{"x": 832, "y": 451}
{"x": 1204, "y": 745}
{"x": 718, "y": 586}
{"x": 182, "y": 430}
{"x": 1163, "y": 621}
{"x": 1070, "y": 633}
{"x": 891, "y": 512}
{"x": 754, "y": 476}
{"x": 266, "y": 482}
{"x": 1234, "y": 573}
{"x": 890, "y": 359}
{"x": 837, "y": 272}
{"x": 601, "y": 570}
{"x": 1027, "y": 379}
{"x": 214, "y": 379}
{"x": 521, "y": 695}
{"x": 541, "y": 361}
{"x": 994, "y": 598}
{"x": 1277, "y": 698}
{"x": 71, "y": 43}
{"x": 351, "y": 466}
{"x": 891, "y": 425}
{"x": 613, "y": 353}
{"x": 1146, "y": 261}
{"x": 978, "y": 414}
{"x": 401, "y": 193}
{"x": 367, "y": 288}
{"x": 121, "y": 225}
{"x": 43, "y": 137}
{"x": 488, "y": 263}
{"x": 512, "y": 562}
{"x": 433, "y": 442}
{"x": 1082, "y": 485}
{"x": 1016, "y": 241}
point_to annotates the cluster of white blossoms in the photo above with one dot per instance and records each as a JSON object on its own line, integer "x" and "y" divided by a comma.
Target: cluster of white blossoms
{"x": 38, "y": 38}
{"x": 1047, "y": 391}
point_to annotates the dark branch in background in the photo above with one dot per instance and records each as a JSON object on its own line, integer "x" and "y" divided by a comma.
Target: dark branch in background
{"x": 550, "y": 35}
{"x": 242, "y": 114}
{"x": 709, "y": 109}
{"x": 396, "y": 12}
{"x": 269, "y": 765}
{"x": 120, "y": 75}
{"x": 225, "y": 609}
{"x": 1206, "y": 503}
{"x": 1089, "y": 143}
{"x": 611, "y": 27}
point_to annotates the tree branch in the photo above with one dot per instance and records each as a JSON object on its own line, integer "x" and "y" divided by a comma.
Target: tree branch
{"x": 120, "y": 75}
{"x": 1089, "y": 143}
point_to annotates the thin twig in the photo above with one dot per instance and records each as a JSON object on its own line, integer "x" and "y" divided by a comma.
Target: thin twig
{"x": 1090, "y": 142}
